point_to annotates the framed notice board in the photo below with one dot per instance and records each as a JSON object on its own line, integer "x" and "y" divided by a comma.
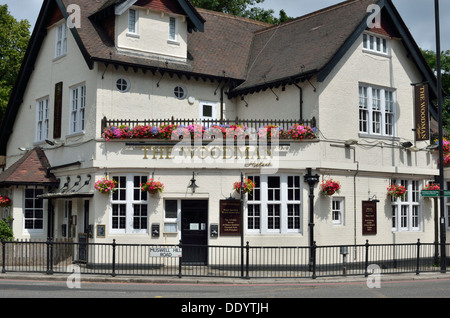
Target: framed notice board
{"x": 230, "y": 218}
{"x": 369, "y": 218}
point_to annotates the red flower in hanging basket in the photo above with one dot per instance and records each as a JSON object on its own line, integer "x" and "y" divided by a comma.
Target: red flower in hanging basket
{"x": 247, "y": 187}
{"x": 396, "y": 191}
{"x": 4, "y": 201}
{"x": 330, "y": 187}
{"x": 152, "y": 186}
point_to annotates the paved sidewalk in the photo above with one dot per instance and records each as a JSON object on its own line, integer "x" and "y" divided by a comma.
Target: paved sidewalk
{"x": 223, "y": 281}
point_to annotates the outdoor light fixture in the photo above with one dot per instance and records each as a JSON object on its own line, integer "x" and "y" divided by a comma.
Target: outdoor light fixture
{"x": 53, "y": 142}
{"x": 193, "y": 185}
{"x": 351, "y": 142}
{"x": 374, "y": 199}
{"x": 433, "y": 147}
{"x": 407, "y": 145}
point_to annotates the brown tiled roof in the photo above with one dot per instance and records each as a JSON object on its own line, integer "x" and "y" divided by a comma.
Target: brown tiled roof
{"x": 304, "y": 45}
{"x": 31, "y": 169}
{"x": 252, "y": 52}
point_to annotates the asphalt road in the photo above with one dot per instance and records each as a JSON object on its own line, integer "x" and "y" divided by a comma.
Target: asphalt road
{"x": 424, "y": 288}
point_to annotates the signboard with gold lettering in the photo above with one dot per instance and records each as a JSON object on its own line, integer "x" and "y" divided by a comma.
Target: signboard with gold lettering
{"x": 230, "y": 218}
{"x": 422, "y": 113}
{"x": 369, "y": 218}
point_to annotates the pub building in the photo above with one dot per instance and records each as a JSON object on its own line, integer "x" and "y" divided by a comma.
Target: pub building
{"x": 143, "y": 116}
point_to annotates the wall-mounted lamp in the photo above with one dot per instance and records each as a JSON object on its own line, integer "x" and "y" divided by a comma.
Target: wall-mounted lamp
{"x": 53, "y": 142}
{"x": 374, "y": 199}
{"x": 409, "y": 146}
{"x": 193, "y": 186}
{"x": 24, "y": 148}
{"x": 433, "y": 147}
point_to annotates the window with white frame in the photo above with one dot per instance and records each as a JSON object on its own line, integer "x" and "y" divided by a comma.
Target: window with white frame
{"x": 42, "y": 120}
{"x": 132, "y": 21}
{"x": 172, "y": 209}
{"x": 406, "y": 210}
{"x": 129, "y": 208}
{"x": 274, "y": 206}
{"x": 173, "y": 29}
{"x": 376, "y": 111}
{"x": 34, "y": 210}
{"x": 337, "y": 211}
{"x": 375, "y": 43}
{"x": 61, "y": 40}
{"x": 78, "y": 107}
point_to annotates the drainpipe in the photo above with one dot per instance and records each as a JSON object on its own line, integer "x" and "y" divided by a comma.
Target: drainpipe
{"x": 354, "y": 197}
{"x": 301, "y": 100}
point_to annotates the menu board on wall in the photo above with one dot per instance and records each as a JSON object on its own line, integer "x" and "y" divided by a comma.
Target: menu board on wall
{"x": 369, "y": 218}
{"x": 230, "y": 218}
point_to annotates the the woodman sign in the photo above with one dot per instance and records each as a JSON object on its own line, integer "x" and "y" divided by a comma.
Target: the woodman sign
{"x": 422, "y": 113}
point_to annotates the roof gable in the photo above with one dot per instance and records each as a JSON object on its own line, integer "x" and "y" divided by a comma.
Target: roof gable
{"x": 31, "y": 169}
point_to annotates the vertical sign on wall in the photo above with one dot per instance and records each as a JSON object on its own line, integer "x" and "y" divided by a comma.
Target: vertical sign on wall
{"x": 230, "y": 217}
{"x": 422, "y": 112}
{"x": 369, "y": 218}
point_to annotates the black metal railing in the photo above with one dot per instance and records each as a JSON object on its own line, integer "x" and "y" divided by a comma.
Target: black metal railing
{"x": 253, "y": 124}
{"x": 245, "y": 262}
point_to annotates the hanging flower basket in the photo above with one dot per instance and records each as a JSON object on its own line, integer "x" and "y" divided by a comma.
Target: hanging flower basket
{"x": 152, "y": 186}
{"x": 396, "y": 191}
{"x": 432, "y": 187}
{"x": 4, "y": 201}
{"x": 247, "y": 187}
{"x": 330, "y": 187}
{"x": 105, "y": 185}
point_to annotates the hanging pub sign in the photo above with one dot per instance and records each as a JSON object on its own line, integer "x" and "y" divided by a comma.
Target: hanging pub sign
{"x": 369, "y": 218}
{"x": 230, "y": 217}
{"x": 422, "y": 112}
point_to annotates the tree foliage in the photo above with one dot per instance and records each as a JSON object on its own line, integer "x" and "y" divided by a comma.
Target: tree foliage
{"x": 243, "y": 8}
{"x": 430, "y": 57}
{"x": 14, "y": 37}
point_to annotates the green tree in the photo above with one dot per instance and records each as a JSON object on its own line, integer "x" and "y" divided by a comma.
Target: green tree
{"x": 6, "y": 232}
{"x": 243, "y": 8}
{"x": 14, "y": 37}
{"x": 430, "y": 57}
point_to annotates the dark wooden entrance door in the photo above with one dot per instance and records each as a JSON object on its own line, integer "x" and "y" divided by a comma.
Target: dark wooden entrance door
{"x": 194, "y": 233}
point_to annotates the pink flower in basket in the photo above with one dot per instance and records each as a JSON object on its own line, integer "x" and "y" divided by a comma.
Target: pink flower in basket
{"x": 152, "y": 186}
{"x": 105, "y": 185}
{"x": 396, "y": 191}
{"x": 247, "y": 187}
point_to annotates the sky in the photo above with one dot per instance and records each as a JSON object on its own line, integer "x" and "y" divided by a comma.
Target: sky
{"x": 417, "y": 14}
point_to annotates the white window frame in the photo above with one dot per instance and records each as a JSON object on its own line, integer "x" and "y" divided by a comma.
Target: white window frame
{"x": 134, "y": 23}
{"x": 201, "y": 113}
{"x": 337, "y": 210}
{"x": 42, "y": 119}
{"x": 77, "y": 109}
{"x": 173, "y": 30}
{"x": 377, "y": 111}
{"x": 407, "y": 211}
{"x": 33, "y": 209}
{"x": 268, "y": 198}
{"x": 61, "y": 40}
{"x": 375, "y": 43}
{"x": 124, "y": 196}
{"x": 172, "y": 221}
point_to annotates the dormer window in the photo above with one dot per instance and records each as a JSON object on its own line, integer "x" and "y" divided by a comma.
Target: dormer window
{"x": 375, "y": 44}
{"x": 132, "y": 22}
{"x": 173, "y": 32}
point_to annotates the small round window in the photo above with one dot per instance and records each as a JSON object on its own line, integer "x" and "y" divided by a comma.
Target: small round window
{"x": 179, "y": 92}
{"x": 123, "y": 85}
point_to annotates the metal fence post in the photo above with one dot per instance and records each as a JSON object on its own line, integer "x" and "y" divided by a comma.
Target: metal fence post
{"x": 180, "y": 260}
{"x": 113, "y": 274}
{"x": 418, "y": 256}
{"x": 3, "y": 256}
{"x": 49, "y": 244}
{"x": 247, "y": 263}
{"x": 313, "y": 257}
{"x": 366, "y": 262}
